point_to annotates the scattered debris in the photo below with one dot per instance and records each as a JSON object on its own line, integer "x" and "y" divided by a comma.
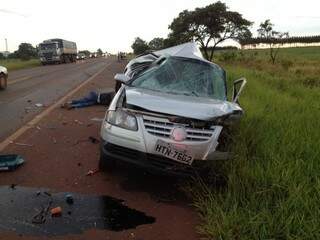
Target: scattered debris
{"x": 10, "y": 162}
{"x": 39, "y": 105}
{"x": 93, "y": 140}
{"x": 79, "y": 164}
{"x": 56, "y": 212}
{"x": 47, "y": 193}
{"x": 38, "y": 193}
{"x": 40, "y": 217}
{"x": 29, "y": 101}
{"x": 21, "y": 144}
{"x": 13, "y": 186}
{"x": 96, "y": 119}
{"x": 37, "y": 127}
{"x": 92, "y": 172}
{"x": 79, "y": 122}
{"x": 54, "y": 140}
{"x": 69, "y": 199}
{"x": 51, "y": 127}
{"x": 89, "y": 139}
{"x": 27, "y": 109}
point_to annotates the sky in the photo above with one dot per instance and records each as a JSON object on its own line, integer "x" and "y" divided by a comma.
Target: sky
{"x": 113, "y": 25}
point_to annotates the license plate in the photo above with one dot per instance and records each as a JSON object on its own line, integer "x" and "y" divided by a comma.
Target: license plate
{"x": 170, "y": 151}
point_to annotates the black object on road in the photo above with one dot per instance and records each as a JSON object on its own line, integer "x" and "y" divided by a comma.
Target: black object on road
{"x": 10, "y": 162}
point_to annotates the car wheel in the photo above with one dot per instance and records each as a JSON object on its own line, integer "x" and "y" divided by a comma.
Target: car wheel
{"x": 105, "y": 163}
{"x": 3, "y": 81}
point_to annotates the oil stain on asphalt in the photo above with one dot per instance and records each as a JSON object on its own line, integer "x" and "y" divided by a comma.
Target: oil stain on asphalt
{"x": 26, "y": 211}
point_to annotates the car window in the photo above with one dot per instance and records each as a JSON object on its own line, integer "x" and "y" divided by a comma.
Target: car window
{"x": 184, "y": 76}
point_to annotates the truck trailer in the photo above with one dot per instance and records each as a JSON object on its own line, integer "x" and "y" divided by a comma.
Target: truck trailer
{"x": 57, "y": 51}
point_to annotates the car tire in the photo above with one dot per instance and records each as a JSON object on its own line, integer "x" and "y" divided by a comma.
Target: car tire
{"x": 3, "y": 82}
{"x": 105, "y": 163}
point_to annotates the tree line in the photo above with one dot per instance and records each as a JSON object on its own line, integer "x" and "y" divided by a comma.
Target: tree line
{"x": 302, "y": 39}
{"x": 25, "y": 52}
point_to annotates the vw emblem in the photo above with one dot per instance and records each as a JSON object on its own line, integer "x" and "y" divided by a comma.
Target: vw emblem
{"x": 179, "y": 134}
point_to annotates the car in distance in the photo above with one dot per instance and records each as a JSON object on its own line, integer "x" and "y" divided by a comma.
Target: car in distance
{"x": 170, "y": 112}
{"x": 3, "y": 78}
{"x": 81, "y": 56}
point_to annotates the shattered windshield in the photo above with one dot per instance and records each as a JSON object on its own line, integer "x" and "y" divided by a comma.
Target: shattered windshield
{"x": 184, "y": 76}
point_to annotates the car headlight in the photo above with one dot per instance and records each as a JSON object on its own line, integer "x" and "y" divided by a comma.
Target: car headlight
{"x": 122, "y": 119}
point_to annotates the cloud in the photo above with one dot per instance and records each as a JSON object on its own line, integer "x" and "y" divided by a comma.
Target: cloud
{"x": 12, "y": 12}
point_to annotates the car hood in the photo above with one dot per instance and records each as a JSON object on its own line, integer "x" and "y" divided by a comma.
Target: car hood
{"x": 179, "y": 105}
{"x": 3, "y": 70}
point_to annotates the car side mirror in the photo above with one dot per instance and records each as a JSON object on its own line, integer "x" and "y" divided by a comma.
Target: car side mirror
{"x": 120, "y": 77}
{"x": 238, "y": 86}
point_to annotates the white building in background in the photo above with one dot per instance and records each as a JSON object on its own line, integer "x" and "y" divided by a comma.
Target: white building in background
{"x": 286, "y": 45}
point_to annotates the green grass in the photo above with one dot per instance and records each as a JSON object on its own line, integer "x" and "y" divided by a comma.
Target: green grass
{"x": 16, "y": 64}
{"x": 273, "y": 183}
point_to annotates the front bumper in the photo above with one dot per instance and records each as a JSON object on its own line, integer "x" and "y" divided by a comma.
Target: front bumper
{"x": 50, "y": 59}
{"x": 150, "y": 162}
{"x": 137, "y": 147}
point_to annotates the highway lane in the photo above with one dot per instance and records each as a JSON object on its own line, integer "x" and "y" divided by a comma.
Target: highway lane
{"x": 43, "y": 85}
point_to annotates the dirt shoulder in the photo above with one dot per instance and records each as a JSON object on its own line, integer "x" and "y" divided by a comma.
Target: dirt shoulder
{"x": 60, "y": 158}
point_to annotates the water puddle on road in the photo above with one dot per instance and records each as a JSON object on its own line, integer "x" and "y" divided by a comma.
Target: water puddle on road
{"x": 26, "y": 211}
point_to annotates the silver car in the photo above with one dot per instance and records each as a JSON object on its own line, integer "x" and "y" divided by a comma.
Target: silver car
{"x": 3, "y": 78}
{"x": 169, "y": 112}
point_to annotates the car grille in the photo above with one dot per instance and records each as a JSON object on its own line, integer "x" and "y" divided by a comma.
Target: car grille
{"x": 162, "y": 127}
{"x": 48, "y": 55}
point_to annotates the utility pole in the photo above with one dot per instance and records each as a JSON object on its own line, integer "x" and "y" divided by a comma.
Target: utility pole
{"x": 6, "y": 44}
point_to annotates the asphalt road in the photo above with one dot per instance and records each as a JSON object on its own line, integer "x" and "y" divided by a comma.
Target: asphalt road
{"x": 44, "y": 84}
{"x": 126, "y": 203}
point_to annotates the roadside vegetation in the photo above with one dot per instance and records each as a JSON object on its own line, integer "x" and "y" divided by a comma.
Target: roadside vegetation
{"x": 16, "y": 64}
{"x": 25, "y": 57}
{"x": 272, "y": 186}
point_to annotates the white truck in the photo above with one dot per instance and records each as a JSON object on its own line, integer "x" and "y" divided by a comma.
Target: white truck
{"x": 57, "y": 51}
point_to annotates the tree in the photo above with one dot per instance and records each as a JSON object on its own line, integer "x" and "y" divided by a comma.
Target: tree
{"x": 209, "y": 26}
{"x": 156, "y": 43}
{"x": 2, "y": 56}
{"x": 272, "y": 38}
{"x": 25, "y": 52}
{"x": 139, "y": 46}
{"x": 99, "y": 52}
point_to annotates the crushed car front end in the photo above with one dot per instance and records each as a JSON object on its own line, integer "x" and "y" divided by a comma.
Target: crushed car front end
{"x": 169, "y": 117}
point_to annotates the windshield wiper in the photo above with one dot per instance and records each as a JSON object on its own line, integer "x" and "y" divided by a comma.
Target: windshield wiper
{"x": 184, "y": 93}
{"x": 192, "y": 93}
